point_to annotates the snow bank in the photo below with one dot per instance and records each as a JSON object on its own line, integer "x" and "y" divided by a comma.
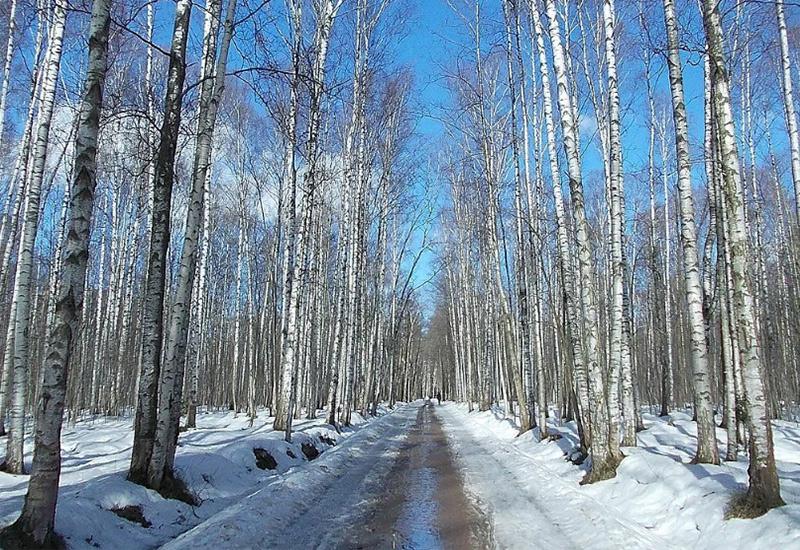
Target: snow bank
{"x": 657, "y": 499}
{"x": 216, "y": 461}
{"x": 314, "y": 506}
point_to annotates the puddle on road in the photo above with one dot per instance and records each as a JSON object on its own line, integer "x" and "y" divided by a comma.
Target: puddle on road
{"x": 416, "y": 526}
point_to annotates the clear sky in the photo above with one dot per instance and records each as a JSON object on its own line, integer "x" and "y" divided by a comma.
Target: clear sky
{"x": 431, "y": 27}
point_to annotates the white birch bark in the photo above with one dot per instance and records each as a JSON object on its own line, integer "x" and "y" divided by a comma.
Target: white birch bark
{"x": 197, "y": 339}
{"x": 525, "y": 404}
{"x": 604, "y": 462}
{"x": 788, "y": 101}
{"x": 171, "y": 383}
{"x": 564, "y": 257}
{"x": 11, "y": 225}
{"x": 294, "y": 293}
{"x": 36, "y": 523}
{"x": 618, "y": 332}
{"x": 30, "y": 223}
{"x": 707, "y": 451}
{"x": 286, "y": 364}
{"x": 12, "y": 14}
{"x": 764, "y": 489}
{"x": 153, "y": 318}
{"x": 534, "y": 232}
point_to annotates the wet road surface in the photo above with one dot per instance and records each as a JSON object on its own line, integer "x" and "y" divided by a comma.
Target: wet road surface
{"x": 424, "y": 506}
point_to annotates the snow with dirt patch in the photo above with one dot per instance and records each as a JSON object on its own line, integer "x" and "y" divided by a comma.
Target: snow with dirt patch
{"x": 216, "y": 461}
{"x": 258, "y": 491}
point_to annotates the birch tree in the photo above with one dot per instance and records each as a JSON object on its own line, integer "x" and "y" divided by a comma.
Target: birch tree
{"x": 565, "y": 261}
{"x": 764, "y": 490}
{"x": 707, "y": 451}
{"x": 36, "y": 523}
{"x": 30, "y": 223}
{"x": 297, "y": 248}
{"x": 788, "y": 101}
{"x": 8, "y": 58}
{"x": 605, "y": 457}
{"x": 153, "y": 322}
{"x": 618, "y": 332}
{"x": 171, "y": 383}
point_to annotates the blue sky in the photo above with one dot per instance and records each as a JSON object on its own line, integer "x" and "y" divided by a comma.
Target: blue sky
{"x": 435, "y": 33}
{"x": 433, "y": 23}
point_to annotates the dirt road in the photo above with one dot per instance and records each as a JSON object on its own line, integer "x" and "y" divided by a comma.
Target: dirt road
{"x": 424, "y": 504}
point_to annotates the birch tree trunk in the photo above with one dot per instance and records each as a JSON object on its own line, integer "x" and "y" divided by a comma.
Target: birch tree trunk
{"x": 788, "y": 102}
{"x": 12, "y": 14}
{"x": 618, "y": 332}
{"x": 764, "y": 491}
{"x": 707, "y": 451}
{"x": 36, "y": 523}
{"x": 153, "y": 318}
{"x": 170, "y": 394}
{"x": 534, "y": 240}
{"x": 299, "y": 235}
{"x": 604, "y": 460}
{"x": 525, "y": 404}
{"x": 23, "y": 291}
{"x": 197, "y": 339}
{"x": 564, "y": 257}
{"x": 286, "y": 364}
{"x": 668, "y": 372}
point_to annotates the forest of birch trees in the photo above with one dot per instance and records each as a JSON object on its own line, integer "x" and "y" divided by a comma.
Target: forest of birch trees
{"x": 231, "y": 205}
{"x": 614, "y": 241}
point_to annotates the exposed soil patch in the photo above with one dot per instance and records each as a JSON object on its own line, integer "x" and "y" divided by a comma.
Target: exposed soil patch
{"x": 264, "y": 460}
{"x": 175, "y": 488}
{"x": 309, "y": 450}
{"x": 132, "y": 513}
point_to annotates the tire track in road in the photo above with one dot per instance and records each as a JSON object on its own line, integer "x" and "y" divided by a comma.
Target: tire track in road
{"x": 425, "y": 505}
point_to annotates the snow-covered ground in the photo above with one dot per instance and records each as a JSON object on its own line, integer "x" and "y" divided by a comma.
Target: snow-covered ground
{"x": 527, "y": 489}
{"x": 314, "y": 507}
{"x": 657, "y": 500}
{"x": 216, "y": 461}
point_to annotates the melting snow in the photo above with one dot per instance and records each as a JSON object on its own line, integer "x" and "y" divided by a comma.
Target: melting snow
{"x": 657, "y": 500}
